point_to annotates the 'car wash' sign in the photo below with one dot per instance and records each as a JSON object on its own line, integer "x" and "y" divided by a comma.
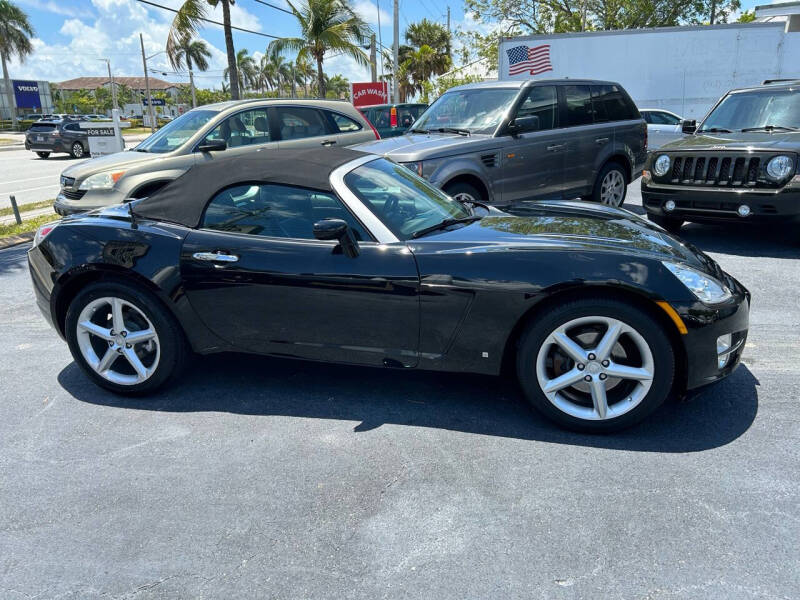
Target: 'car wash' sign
{"x": 26, "y": 93}
{"x": 369, "y": 93}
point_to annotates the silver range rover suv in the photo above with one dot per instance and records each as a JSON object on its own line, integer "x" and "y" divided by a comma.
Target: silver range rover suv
{"x": 504, "y": 142}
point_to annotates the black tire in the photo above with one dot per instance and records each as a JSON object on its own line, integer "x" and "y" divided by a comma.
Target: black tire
{"x": 173, "y": 347}
{"x": 671, "y": 224}
{"x": 653, "y": 333}
{"x": 598, "y": 184}
{"x": 43, "y": 155}
{"x": 465, "y": 189}
{"x": 77, "y": 150}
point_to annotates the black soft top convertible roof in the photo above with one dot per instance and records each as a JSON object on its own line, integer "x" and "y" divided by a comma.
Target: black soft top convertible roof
{"x": 184, "y": 200}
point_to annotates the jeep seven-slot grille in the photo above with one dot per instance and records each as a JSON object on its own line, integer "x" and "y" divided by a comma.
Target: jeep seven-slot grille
{"x": 721, "y": 171}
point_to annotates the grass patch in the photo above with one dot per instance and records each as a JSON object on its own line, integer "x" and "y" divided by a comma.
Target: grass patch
{"x": 26, "y": 207}
{"x": 27, "y": 226}
{"x": 6, "y": 142}
{"x": 135, "y": 131}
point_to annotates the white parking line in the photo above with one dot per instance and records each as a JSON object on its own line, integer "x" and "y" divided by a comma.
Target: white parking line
{"x": 44, "y": 187}
{"x": 28, "y": 179}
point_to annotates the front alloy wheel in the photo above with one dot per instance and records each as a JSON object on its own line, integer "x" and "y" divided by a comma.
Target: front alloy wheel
{"x": 77, "y": 150}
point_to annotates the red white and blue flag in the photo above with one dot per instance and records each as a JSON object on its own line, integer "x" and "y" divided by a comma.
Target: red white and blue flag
{"x": 535, "y": 60}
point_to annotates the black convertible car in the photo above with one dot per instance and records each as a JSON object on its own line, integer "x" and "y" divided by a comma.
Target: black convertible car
{"x": 334, "y": 255}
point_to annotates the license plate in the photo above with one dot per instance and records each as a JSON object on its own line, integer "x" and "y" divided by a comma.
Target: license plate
{"x": 39, "y": 138}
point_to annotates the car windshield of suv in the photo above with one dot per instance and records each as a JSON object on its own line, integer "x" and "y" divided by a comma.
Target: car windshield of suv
{"x": 175, "y": 133}
{"x": 476, "y": 111}
{"x": 752, "y": 110}
{"x": 406, "y": 203}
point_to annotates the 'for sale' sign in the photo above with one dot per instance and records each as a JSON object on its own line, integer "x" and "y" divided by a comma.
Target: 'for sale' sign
{"x": 370, "y": 93}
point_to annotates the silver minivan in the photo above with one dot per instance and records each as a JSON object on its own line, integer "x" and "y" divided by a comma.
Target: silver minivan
{"x": 503, "y": 142}
{"x": 201, "y": 135}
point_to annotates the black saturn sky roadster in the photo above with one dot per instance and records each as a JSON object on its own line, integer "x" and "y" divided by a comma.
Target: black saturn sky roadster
{"x": 335, "y": 255}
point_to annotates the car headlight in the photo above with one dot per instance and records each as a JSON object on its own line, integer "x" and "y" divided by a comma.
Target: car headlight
{"x": 706, "y": 288}
{"x": 661, "y": 166}
{"x": 414, "y": 166}
{"x": 101, "y": 181}
{"x": 780, "y": 167}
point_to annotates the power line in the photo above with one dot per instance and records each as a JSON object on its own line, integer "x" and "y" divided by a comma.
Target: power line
{"x": 288, "y": 12}
{"x": 274, "y": 37}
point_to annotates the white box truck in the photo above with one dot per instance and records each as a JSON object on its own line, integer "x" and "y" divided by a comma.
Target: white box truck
{"x": 682, "y": 69}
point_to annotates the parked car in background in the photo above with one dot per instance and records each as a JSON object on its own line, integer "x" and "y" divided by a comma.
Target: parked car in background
{"x": 94, "y": 117}
{"x": 393, "y": 119}
{"x": 202, "y": 135}
{"x": 65, "y": 136}
{"x": 504, "y": 142}
{"x": 663, "y": 126}
{"x": 36, "y": 116}
{"x": 740, "y": 163}
{"x": 602, "y": 314}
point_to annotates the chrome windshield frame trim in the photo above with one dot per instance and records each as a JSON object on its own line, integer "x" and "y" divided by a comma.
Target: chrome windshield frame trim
{"x": 375, "y": 226}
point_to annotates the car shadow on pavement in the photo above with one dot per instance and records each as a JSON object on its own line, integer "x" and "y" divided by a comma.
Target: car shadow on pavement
{"x": 743, "y": 240}
{"x": 13, "y": 259}
{"x": 371, "y": 397}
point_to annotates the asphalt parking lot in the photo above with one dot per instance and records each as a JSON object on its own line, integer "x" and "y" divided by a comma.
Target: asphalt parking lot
{"x": 30, "y": 178}
{"x": 275, "y": 479}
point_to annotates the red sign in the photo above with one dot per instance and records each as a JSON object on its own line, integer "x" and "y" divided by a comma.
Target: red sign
{"x": 369, "y": 93}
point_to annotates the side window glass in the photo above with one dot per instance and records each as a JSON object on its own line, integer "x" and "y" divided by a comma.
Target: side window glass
{"x": 72, "y": 127}
{"x": 670, "y": 119}
{"x": 579, "y": 105}
{"x": 617, "y": 106}
{"x": 541, "y": 102}
{"x": 275, "y": 211}
{"x": 243, "y": 129}
{"x": 381, "y": 118}
{"x": 345, "y": 124}
{"x": 298, "y": 122}
{"x": 647, "y": 117}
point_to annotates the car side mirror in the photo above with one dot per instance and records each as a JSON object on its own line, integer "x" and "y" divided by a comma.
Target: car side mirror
{"x": 523, "y": 124}
{"x": 688, "y": 126}
{"x": 336, "y": 229}
{"x": 212, "y": 146}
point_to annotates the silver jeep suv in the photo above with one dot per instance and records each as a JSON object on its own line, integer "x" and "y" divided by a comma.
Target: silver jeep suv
{"x": 504, "y": 142}
{"x": 200, "y": 136}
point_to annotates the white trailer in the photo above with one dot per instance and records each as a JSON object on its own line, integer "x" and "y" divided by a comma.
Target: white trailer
{"x": 682, "y": 69}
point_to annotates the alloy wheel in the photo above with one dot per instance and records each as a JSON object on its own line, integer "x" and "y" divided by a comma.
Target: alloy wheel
{"x": 612, "y": 188}
{"x": 77, "y": 150}
{"x": 464, "y": 198}
{"x": 118, "y": 341}
{"x": 595, "y": 368}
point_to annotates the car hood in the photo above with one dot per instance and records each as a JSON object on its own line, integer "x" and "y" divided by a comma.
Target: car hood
{"x": 573, "y": 225}
{"x": 422, "y": 146}
{"x": 754, "y": 140}
{"x": 105, "y": 163}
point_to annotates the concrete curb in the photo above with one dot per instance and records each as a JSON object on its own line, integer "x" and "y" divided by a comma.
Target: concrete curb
{"x": 16, "y": 240}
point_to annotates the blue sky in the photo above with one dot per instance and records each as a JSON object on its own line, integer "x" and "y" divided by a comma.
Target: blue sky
{"x": 71, "y": 35}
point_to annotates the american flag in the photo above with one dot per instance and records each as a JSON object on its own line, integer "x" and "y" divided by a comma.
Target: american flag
{"x": 533, "y": 60}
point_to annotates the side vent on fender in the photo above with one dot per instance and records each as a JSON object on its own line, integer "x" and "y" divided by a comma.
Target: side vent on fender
{"x": 489, "y": 160}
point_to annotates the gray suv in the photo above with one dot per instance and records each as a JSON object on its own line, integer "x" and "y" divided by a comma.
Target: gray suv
{"x": 504, "y": 142}
{"x": 200, "y": 136}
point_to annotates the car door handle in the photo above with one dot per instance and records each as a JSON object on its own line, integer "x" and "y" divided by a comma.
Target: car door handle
{"x": 555, "y": 147}
{"x": 601, "y": 141}
{"x": 328, "y": 143}
{"x": 215, "y": 257}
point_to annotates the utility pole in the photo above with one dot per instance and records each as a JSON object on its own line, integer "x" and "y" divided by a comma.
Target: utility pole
{"x": 111, "y": 83}
{"x": 191, "y": 85}
{"x": 373, "y": 65}
{"x": 448, "y": 33}
{"x": 396, "y": 50}
{"x": 147, "y": 86}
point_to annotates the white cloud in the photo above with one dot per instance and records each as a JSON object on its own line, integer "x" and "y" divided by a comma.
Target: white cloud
{"x": 50, "y": 6}
{"x": 369, "y": 12}
{"x": 347, "y": 67}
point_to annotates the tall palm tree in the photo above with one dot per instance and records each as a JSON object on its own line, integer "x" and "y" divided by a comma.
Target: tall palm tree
{"x": 246, "y": 71}
{"x": 193, "y": 53}
{"x": 325, "y": 25}
{"x": 188, "y": 20}
{"x": 304, "y": 71}
{"x": 15, "y": 34}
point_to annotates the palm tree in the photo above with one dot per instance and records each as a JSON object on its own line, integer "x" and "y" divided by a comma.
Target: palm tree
{"x": 338, "y": 87}
{"x": 274, "y": 72}
{"x": 193, "y": 53}
{"x": 15, "y": 34}
{"x": 188, "y": 20}
{"x": 304, "y": 71}
{"x": 246, "y": 70}
{"x": 325, "y": 25}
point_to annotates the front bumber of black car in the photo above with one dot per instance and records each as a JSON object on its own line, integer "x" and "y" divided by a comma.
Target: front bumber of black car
{"x": 727, "y": 186}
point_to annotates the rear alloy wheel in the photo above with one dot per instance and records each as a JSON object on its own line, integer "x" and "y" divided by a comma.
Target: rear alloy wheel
{"x": 611, "y": 185}
{"x": 77, "y": 150}
{"x": 464, "y": 193}
{"x": 43, "y": 155}
{"x": 671, "y": 224}
{"x": 123, "y": 338}
{"x": 596, "y": 365}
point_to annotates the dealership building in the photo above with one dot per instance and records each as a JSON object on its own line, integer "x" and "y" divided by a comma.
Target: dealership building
{"x": 28, "y": 97}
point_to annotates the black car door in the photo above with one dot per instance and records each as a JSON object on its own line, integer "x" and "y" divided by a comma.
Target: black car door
{"x": 258, "y": 279}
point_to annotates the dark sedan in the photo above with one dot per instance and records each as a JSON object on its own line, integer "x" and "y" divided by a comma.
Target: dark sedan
{"x": 335, "y": 255}
{"x": 46, "y": 137}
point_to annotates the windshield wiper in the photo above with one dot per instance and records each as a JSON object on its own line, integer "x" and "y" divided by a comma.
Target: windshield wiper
{"x": 714, "y": 130}
{"x": 464, "y": 132}
{"x": 138, "y": 150}
{"x": 444, "y": 224}
{"x": 770, "y": 128}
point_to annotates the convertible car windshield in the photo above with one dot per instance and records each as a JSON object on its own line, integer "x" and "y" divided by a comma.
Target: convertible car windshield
{"x": 407, "y": 204}
{"x": 475, "y": 111}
